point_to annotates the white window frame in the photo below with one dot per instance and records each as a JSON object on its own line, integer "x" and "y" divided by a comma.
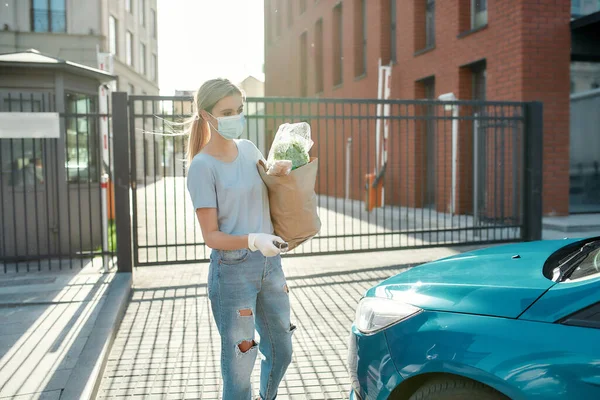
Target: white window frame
{"x": 143, "y": 13}
{"x": 154, "y": 23}
{"x": 143, "y": 56}
{"x": 113, "y": 29}
{"x": 129, "y": 48}
{"x": 154, "y": 68}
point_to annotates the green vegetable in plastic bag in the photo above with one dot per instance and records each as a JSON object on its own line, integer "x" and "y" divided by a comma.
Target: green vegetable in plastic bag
{"x": 292, "y": 143}
{"x": 293, "y": 151}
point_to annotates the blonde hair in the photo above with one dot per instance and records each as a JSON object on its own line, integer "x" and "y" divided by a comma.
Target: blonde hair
{"x": 206, "y": 97}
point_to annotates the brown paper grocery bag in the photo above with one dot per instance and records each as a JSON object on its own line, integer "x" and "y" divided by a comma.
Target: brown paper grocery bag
{"x": 293, "y": 203}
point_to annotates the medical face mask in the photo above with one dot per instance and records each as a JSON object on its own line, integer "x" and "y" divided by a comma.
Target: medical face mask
{"x": 230, "y": 127}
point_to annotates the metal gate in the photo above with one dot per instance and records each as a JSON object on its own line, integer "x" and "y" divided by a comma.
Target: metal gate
{"x": 51, "y": 189}
{"x": 487, "y": 165}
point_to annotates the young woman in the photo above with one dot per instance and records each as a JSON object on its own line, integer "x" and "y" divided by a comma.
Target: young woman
{"x": 246, "y": 284}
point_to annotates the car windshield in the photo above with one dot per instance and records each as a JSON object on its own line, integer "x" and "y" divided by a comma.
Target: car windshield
{"x": 590, "y": 265}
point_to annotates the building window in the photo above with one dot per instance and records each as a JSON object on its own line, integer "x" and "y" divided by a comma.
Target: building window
{"x": 81, "y": 143}
{"x": 393, "y": 43}
{"x": 112, "y": 35}
{"x": 128, "y": 6}
{"x": 303, "y": 65}
{"x": 143, "y": 12}
{"x": 290, "y": 12}
{"x": 387, "y": 21}
{"x": 479, "y": 75}
{"x": 143, "y": 58}
{"x": 478, "y": 13}
{"x": 337, "y": 45}
{"x": 425, "y": 141}
{"x": 154, "y": 24}
{"x": 49, "y": 16}
{"x": 129, "y": 48}
{"x": 581, "y": 8}
{"x": 360, "y": 37}
{"x": 154, "y": 68}
{"x": 319, "y": 87}
{"x": 429, "y": 23}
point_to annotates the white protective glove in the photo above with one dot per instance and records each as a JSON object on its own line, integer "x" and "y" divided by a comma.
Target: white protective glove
{"x": 264, "y": 243}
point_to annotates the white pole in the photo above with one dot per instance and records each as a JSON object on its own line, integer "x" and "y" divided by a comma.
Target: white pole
{"x": 386, "y": 123}
{"x": 380, "y": 88}
{"x": 104, "y": 187}
{"x": 348, "y": 155}
{"x": 454, "y": 154}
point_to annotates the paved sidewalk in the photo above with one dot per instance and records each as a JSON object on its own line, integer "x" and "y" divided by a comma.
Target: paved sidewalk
{"x": 168, "y": 346}
{"x": 55, "y": 329}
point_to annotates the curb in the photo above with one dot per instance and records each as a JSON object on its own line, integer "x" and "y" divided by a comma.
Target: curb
{"x": 84, "y": 383}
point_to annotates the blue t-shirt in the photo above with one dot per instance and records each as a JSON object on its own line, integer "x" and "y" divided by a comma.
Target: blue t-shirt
{"x": 234, "y": 188}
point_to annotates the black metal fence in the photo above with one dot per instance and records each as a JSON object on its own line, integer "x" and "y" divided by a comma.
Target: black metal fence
{"x": 51, "y": 188}
{"x": 392, "y": 174}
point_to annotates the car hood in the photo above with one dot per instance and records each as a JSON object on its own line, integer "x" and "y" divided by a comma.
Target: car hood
{"x": 498, "y": 281}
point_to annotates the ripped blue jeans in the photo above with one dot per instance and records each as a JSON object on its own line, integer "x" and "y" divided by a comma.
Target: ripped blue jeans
{"x": 248, "y": 291}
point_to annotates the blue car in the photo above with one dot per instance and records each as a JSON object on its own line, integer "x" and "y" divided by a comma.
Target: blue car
{"x": 517, "y": 321}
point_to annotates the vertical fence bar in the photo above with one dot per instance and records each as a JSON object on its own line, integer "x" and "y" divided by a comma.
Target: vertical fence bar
{"x": 2, "y": 213}
{"x": 502, "y": 172}
{"x": 25, "y": 218}
{"x": 310, "y": 121}
{"x": 406, "y": 173}
{"x": 327, "y": 187}
{"x": 103, "y": 174}
{"x": 166, "y": 217}
{"x": 91, "y": 122}
{"x": 532, "y": 190}
{"x": 359, "y": 176}
{"x": 335, "y": 174}
{"x": 14, "y": 204}
{"x": 495, "y": 176}
{"x": 356, "y": 143}
{"x": 391, "y": 168}
{"x": 122, "y": 182}
{"x": 109, "y": 147}
{"x": 515, "y": 170}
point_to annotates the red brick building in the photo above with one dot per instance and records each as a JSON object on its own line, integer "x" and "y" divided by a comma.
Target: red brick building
{"x": 516, "y": 50}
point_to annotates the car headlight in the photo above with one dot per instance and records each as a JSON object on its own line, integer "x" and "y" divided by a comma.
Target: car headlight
{"x": 374, "y": 314}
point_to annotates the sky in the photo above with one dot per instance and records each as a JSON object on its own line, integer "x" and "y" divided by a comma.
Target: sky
{"x": 204, "y": 39}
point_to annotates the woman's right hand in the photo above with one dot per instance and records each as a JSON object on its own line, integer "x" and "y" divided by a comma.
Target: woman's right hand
{"x": 264, "y": 243}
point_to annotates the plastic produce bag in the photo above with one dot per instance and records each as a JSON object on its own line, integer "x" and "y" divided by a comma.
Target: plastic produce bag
{"x": 280, "y": 168}
{"x": 292, "y": 143}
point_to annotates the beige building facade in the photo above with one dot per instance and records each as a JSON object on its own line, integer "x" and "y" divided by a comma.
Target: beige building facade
{"x": 77, "y": 30}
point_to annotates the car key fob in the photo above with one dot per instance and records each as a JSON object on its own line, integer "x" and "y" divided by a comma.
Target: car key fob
{"x": 280, "y": 245}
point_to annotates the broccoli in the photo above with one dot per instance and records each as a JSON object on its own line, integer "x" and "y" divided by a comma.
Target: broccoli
{"x": 294, "y": 151}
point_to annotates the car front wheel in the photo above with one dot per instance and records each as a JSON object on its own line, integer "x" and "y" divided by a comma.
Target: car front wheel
{"x": 456, "y": 389}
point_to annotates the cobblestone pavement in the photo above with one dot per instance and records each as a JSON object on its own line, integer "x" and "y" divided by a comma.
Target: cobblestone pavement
{"x": 168, "y": 347}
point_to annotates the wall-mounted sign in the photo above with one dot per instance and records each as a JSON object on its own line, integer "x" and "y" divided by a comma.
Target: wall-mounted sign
{"x": 29, "y": 125}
